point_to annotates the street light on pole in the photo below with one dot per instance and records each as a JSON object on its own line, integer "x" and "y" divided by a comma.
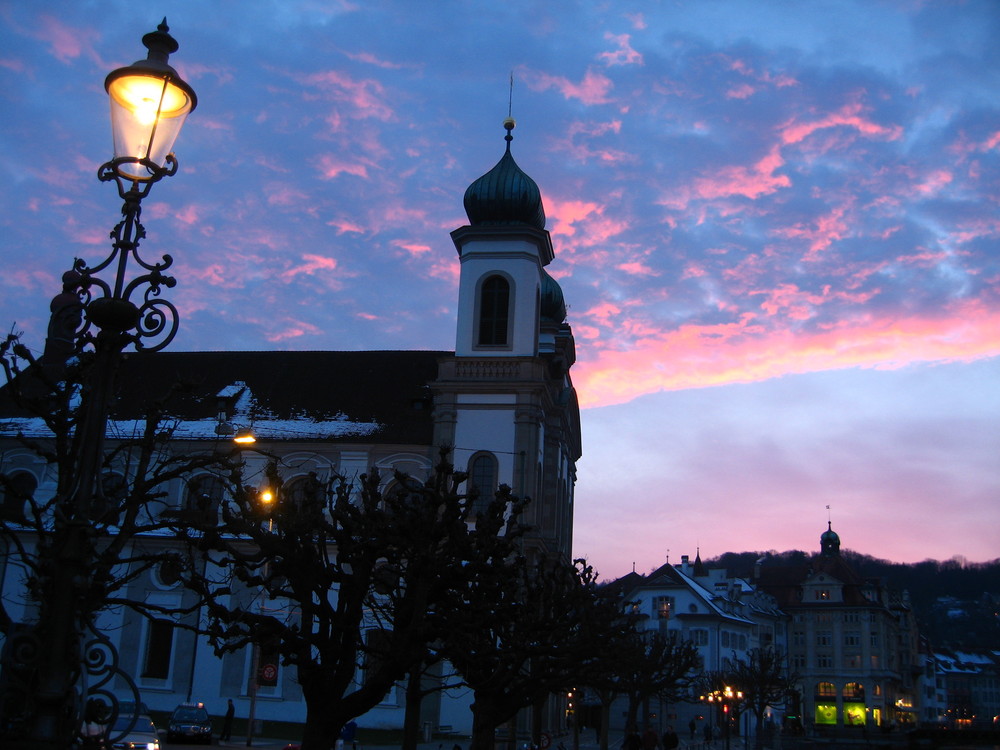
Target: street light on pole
{"x": 266, "y": 498}
{"x": 59, "y": 654}
{"x": 725, "y": 698}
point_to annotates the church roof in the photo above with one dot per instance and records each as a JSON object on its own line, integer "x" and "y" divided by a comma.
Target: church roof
{"x": 369, "y": 396}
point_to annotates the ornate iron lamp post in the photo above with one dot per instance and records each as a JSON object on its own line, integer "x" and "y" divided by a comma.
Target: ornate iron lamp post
{"x": 725, "y": 699}
{"x": 67, "y": 662}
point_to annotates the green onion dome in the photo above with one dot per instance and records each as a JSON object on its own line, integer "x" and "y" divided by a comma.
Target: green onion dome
{"x": 505, "y": 195}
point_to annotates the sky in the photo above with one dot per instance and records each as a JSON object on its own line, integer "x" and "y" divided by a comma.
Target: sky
{"x": 775, "y": 224}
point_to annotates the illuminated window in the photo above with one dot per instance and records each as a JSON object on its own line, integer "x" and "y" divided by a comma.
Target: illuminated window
{"x": 854, "y": 691}
{"x": 662, "y": 606}
{"x": 826, "y": 713}
{"x": 826, "y": 690}
{"x": 494, "y": 311}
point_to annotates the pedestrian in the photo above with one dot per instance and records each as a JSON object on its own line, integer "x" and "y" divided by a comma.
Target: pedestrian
{"x": 692, "y": 726}
{"x": 670, "y": 739}
{"x": 349, "y": 734}
{"x": 708, "y": 733}
{"x": 632, "y": 740}
{"x": 227, "y": 722}
{"x": 649, "y": 739}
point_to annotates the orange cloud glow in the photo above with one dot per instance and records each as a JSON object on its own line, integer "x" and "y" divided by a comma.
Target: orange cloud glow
{"x": 697, "y": 356}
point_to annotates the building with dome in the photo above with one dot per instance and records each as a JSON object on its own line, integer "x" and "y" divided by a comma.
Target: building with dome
{"x": 852, "y": 642}
{"x": 503, "y": 401}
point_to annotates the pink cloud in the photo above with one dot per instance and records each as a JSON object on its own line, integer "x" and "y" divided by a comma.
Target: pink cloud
{"x": 313, "y": 263}
{"x": 847, "y": 116}
{"x": 750, "y": 182}
{"x": 694, "y": 356}
{"x": 12, "y": 64}
{"x": 414, "y": 249}
{"x": 370, "y": 59}
{"x": 293, "y": 330}
{"x": 934, "y": 182}
{"x": 284, "y": 195}
{"x": 828, "y": 228}
{"x": 743, "y": 91}
{"x": 585, "y": 152}
{"x": 593, "y": 89}
{"x": 189, "y": 214}
{"x": 66, "y": 43}
{"x": 331, "y": 166}
{"x": 365, "y": 96}
{"x": 624, "y": 55}
{"x": 636, "y": 268}
{"x": 346, "y": 225}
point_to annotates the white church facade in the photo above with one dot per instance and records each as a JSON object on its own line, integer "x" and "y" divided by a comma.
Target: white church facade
{"x": 503, "y": 402}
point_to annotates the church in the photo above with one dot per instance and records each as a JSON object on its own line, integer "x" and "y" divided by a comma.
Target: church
{"x": 503, "y": 401}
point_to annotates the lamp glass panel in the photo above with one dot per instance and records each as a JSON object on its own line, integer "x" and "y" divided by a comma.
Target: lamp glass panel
{"x": 146, "y": 117}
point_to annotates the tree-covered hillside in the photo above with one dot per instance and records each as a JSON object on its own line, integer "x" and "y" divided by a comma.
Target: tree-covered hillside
{"x": 957, "y": 603}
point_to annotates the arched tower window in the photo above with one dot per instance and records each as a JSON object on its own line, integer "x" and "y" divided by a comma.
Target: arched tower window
{"x": 482, "y": 483}
{"x": 494, "y": 312}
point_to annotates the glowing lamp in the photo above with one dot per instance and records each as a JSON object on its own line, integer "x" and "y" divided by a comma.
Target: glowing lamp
{"x": 245, "y": 437}
{"x": 149, "y": 103}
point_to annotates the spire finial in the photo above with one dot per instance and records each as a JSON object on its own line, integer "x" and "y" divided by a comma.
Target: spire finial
{"x": 509, "y": 123}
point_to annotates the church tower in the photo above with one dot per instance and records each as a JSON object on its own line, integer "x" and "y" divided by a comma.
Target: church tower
{"x": 505, "y": 402}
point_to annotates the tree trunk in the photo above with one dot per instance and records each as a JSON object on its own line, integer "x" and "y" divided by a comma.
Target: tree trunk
{"x": 321, "y": 728}
{"x": 483, "y": 731}
{"x": 411, "y": 717}
{"x": 605, "y": 720}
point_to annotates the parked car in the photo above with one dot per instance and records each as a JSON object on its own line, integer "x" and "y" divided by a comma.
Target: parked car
{"x": 142, "y": 736}
{"x": 190, "y": 722}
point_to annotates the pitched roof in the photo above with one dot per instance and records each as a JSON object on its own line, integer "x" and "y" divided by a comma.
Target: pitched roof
{"x": 380, "y": 396}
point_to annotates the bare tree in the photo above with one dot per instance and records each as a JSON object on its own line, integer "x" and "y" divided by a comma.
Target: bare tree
{"x": 765, "y": 681}
{"x": 521, "y": 633}
{"x": 365, "y": 574}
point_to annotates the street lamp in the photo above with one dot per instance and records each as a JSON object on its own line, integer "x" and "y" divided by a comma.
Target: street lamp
{"x": 149, "y": 103}
{"x": 724, "y": 698}
{"x": 266, "y": 498}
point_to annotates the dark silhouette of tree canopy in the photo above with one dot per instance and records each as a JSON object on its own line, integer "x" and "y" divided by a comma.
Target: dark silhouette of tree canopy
{"x": 656, "y": 664}
{"x": 524, "y": 630}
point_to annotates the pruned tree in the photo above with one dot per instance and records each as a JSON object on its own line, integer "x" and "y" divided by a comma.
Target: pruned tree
{"x": 365, "y": 574}
{"x": 765, "y": 681}
{"x": 519, "y": 633}
{"x": 612, "y": 636}
{"x": 655, "y": 664}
